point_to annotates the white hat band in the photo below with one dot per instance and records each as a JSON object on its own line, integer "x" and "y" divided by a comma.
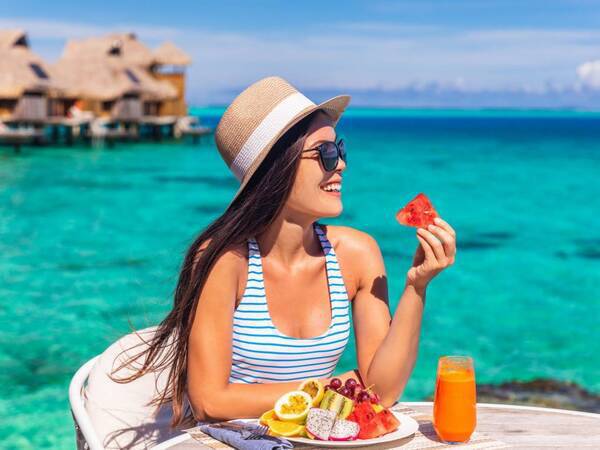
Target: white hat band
{"x": 268, "y": 128}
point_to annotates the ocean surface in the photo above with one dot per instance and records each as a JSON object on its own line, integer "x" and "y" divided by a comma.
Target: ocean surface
{"x": 91, "y": 239}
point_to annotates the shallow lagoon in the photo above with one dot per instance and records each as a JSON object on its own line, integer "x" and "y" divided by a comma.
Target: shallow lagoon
{"x": 91, "y": 240}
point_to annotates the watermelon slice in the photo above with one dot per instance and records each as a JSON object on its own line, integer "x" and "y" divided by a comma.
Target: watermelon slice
{"x": 419, "y": 212}
{"x": 362, "y": 413}
{"x": 389, "y": 420}
{"x": 384, "y": 422}
{"x": 373, "y": 424}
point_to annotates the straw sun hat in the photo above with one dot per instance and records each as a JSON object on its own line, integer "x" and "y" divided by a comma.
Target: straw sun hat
{"x": 258, "y": 117}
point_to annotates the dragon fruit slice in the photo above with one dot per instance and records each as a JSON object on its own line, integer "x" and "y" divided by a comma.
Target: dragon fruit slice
{"x": 319, "y": 423}
{"x": 344, "y": 430}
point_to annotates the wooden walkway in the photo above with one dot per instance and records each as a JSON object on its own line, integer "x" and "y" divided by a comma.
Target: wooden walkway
{"x": 99, "y": 130}
{"x": 17, "y": 138}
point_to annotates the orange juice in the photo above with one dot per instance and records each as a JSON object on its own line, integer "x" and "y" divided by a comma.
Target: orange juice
{"x": 454, "y": 407}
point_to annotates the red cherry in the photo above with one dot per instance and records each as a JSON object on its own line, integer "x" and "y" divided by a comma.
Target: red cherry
{"x": 363, "y": 396}
{"x": 344, "y": 391}
{"x": 351, "y": 383}
{"x": 335, "y": 383}
{"x": 351, "y": 391}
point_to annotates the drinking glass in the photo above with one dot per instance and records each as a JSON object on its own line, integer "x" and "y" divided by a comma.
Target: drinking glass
{"x": 455, "y": 398}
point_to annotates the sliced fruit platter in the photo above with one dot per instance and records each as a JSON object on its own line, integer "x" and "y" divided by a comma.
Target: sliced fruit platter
{"x": 337, "y": 413}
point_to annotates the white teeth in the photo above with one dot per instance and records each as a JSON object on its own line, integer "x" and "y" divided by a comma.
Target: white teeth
{"x": 333, "y": 187}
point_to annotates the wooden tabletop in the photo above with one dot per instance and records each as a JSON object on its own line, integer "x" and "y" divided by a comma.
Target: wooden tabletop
{"x": 524, "y": 427}
{"x": 528, "y": 427}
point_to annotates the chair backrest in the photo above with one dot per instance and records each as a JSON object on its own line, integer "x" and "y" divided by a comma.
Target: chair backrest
{"x": 120, "y": 414}
{"x": 85, "y": 433}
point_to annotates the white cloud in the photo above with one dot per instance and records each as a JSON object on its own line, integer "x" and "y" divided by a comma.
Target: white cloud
{"x": 589, "y": 74}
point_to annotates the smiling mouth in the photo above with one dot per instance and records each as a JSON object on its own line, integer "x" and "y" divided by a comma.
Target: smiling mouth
{"x": 332, "y": 187}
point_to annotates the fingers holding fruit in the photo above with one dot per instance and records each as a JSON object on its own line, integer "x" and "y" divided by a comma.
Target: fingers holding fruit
{"x": 445, "y": 225}
{"x": 442, "y": 242}
{"x": 437, "y": 237}
{"x": 447, "y": 235}
{"x": 434, "y": 251}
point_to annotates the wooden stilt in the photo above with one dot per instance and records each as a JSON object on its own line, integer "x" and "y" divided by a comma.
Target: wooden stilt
{"x": 69, "y": 136}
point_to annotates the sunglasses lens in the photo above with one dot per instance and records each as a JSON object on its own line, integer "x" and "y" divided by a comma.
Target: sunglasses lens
{"x": 329, "y": 156}
{"x": 342, "y": 147}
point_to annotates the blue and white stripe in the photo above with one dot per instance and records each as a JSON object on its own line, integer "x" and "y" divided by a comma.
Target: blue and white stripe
{"x": 262, "y": 354}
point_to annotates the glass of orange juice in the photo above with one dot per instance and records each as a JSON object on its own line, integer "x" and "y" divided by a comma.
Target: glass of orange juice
{"x": 455, "y": 398}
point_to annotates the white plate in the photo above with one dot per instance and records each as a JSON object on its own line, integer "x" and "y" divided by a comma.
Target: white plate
{"x": 408, "y": 426}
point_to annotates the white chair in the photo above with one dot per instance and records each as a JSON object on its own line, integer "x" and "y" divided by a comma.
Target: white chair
{"x": 112, "y": 415}
{"x": 84, "y": 429}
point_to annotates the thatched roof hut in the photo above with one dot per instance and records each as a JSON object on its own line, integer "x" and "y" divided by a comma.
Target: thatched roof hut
{"x": 25, "y": 80}
{"x": 109, "y": 67}
{"x": 171, "y": 55}
{"x": 106, "y": 80}
{"x": 13, "y": 38}
{"x": 21, "y": 70}
{"x": 124, "y": 47}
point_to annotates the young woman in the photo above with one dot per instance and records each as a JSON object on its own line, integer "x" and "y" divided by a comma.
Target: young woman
{"x": 264, "y": 293}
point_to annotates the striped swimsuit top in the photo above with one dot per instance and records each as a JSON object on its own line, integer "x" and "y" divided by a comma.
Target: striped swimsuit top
{"x": 262, "y": 354}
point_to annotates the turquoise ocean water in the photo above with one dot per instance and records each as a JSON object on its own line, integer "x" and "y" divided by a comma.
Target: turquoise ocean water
{"x": 91, "y": 239}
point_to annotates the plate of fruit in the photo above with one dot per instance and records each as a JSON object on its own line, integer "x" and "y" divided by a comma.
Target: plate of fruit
{"x": 337, "y": 415}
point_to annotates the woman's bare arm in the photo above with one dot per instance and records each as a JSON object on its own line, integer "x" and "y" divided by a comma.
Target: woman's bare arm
{"x": 394, "y": 360}
{"x": 386, "y": 348}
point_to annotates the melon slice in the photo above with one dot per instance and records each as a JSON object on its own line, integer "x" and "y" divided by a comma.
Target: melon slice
{"x": 419, "y": 212}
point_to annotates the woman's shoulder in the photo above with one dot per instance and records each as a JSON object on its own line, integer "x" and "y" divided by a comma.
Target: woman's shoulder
{"x": 230, "y": 267}
{"x": 230, "y": 256}
{"x": 234, "y": 257}
{"x": 350, "y": 240}
{"x": 358, "y": 254}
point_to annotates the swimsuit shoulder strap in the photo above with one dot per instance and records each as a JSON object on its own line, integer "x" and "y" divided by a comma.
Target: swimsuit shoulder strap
{"x": 331, "y": 261}
{"x": 255, "y": 270}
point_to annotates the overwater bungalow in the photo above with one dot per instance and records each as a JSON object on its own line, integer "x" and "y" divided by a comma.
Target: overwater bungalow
{"x": 111, "y": 86}
{"x": 118, "y": 78}
{"x": 169, "y": 65}
{"x": 25, "y": 81}
{"x": 109, "y": 89}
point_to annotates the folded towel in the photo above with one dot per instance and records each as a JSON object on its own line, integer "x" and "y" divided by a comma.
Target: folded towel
{"x": 237, "y": 438}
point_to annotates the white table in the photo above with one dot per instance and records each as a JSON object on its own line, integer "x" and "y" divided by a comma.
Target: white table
{"x": 525, "y": 427}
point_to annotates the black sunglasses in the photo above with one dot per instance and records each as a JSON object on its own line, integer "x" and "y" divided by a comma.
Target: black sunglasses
{"x": 330, "y": 154}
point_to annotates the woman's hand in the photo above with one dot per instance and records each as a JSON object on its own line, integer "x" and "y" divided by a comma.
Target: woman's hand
{"x": 436, "y": 252}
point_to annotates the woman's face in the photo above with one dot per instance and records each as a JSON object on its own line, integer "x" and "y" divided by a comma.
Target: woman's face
{"x": 317, "y": 193}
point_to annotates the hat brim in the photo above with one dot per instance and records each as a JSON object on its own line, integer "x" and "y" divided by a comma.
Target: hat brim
{"x": 334, "y": 108}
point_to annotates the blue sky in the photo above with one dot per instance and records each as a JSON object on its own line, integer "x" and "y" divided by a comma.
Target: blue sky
{"x": 389, "y": 53}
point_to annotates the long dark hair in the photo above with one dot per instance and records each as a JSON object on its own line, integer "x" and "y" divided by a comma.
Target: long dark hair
{"x": 249, "y": 215}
